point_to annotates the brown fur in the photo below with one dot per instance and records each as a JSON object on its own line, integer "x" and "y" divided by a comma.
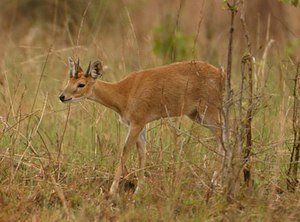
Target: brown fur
{"x": 192, "y": 88}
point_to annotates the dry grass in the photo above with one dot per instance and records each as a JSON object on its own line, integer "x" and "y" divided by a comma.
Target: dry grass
{"x": 57, "y": 162}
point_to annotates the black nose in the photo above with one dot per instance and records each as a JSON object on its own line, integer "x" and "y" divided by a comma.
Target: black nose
{"x": 62, "y": 98}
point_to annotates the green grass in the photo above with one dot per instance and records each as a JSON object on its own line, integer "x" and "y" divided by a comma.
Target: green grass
{"x": 176, "y": 180}
{"x": 57, "y": 162}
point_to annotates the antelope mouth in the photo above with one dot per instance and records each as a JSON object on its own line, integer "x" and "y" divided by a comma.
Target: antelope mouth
{"x": 66, "y": 100}
{"x": 63, "y": 99}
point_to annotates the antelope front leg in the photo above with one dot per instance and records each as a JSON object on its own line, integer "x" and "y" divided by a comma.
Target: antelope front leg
{"x": 132, "y": 137}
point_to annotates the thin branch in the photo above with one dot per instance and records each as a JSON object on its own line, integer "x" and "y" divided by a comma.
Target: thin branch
{"x": 81, "y": 23}
{"x": 38, "y": 87}
{"x": 173, "y": 47}
{"x": 228, "y": 178}
{"x": 134, "y": 34}
{"x": 292, "y": 180}
{"x": 248, "y": 60}
{"x": 198, "y": 29}
{"x": 61, "y": 140}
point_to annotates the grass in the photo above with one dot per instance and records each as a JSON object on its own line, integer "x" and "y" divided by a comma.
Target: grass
{"x": 82, "y": 157}
{"x": 57, "y": 161}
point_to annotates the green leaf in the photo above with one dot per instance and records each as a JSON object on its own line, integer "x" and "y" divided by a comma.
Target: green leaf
{"x": 292, "y": 2}
{"x": 295, "y": 2}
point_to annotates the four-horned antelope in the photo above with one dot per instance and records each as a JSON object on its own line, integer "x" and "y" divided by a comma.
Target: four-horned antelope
{"x": 191, "y": 88}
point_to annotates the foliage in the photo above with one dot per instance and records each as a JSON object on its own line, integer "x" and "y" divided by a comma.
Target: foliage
{"x": 171, "y": 44}
{"x": 230, "y": 5}
{"x": 291, "y": 47}
{"x": 39, "y": 184}
{"x": 292, "y": 2}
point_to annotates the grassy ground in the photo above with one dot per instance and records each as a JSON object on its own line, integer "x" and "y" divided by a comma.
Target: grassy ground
{"x": 57, "y": 161}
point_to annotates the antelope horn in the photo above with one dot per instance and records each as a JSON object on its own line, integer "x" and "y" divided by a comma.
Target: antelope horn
{"x": 76, "y": 69}
{"x": 88, "y": 70}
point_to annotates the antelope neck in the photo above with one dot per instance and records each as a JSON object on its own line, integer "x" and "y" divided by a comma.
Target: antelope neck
{"x": 108, "y": 94}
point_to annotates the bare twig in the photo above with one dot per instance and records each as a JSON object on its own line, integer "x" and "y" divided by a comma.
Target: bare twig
{"x": 55, "y": 52}
{"x": 248, "y": 59}
{"x": 173, "y": 47}
{"x": 60, "y": 194}
{"x": 38, "y": 88}
{"x": 292, "y": 179}
{"x": 198, "y": 30}
{"x": 82, "y": 21}
{"x": 12, "y": 127}
{"x": 228, "y": 168}
{"x": 61, "y": 140}
{"x": 133, "y": 33}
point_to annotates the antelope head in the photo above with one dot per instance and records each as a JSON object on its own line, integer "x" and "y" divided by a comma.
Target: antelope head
{"x": 81, "y": 83}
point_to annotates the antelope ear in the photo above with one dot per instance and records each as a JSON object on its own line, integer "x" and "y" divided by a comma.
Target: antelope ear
{"x": 96, "y": 69}
{"x": 72, "y": 69}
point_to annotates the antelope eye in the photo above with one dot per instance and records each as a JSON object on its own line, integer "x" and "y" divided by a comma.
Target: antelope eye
{"x": 81, "y": 85}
